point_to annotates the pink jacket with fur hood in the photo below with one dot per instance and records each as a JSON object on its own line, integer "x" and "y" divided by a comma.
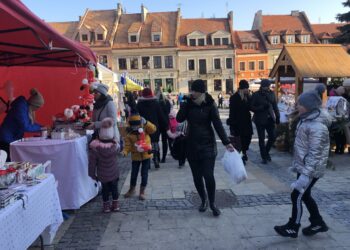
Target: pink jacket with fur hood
{"x": 103, "y": 161}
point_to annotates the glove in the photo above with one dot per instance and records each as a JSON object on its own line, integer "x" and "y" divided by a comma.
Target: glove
{"x": 278, "y": 120}
{"x": 301, "y": 183}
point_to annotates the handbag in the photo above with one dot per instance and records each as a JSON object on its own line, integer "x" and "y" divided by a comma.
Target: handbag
{"x": 236, "y": 142}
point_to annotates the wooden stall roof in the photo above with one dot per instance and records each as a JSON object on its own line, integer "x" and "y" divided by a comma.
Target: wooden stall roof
{"x": 314, "y": 60}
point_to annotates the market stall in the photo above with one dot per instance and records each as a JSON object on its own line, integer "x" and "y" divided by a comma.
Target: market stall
{"x": 317, "y": 62}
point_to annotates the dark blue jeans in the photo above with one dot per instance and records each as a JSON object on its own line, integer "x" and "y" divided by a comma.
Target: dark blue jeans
{"x": 110, "y": 187}
{"x": 144, "y": 172}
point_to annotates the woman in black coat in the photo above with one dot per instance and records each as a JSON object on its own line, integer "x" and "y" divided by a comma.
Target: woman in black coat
{"x": 165, "y": 106}
{"x": 240, "y": 120}
{"x": 149, "y": 108}
{"x": 201, "y": 112}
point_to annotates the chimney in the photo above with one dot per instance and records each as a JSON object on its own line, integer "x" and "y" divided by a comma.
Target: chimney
{"x": 119, "y": 9}
{"x": 230, "y": 18}
{"x": 144, "y": 12}
{"x": 295, "y": 13}
{"x": 257, "y": 23}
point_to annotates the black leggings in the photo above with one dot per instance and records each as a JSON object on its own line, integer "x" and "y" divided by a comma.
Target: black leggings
{"x": 297, "y": 210}
{"x": 165, "y": 139}
{"x": 110, "y": 187}
{"x": 204, "y": 169}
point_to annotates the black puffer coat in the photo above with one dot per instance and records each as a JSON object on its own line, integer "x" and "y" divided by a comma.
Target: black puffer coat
{"x": 264, "y": 106}
{"x": 240, "y": 119}
{"x": 150, "y": 109}
{"x": 201, "y": 142}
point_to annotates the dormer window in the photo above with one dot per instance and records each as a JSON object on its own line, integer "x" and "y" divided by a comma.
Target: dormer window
{"x": 217, "y": 41}
{"x": 196, "y": 38}
{"x": 132, "y": 38}
{"x": 221, "y": 37}
{"x": 99, "y": 37}
{"x": 225, "y": 41}
{"x": 325, "y": 41}
{"x": 156, "y": 30}
{"x": 84, "y": 37}
{"x": 305, "y": 38}
{"x": 275, "y": 39}
{"x": 290, "y": 39}
{"x": 252, "y": 46}
{"x": 156, "y": 38}
{"x": 201, "y": 42}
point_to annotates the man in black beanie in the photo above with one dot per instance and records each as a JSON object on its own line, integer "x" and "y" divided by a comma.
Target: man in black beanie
{"x": 266, "y": 115}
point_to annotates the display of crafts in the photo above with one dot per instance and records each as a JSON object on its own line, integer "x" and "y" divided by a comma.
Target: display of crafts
{"x": 338, "y": 107}
{"x": 19, "y": 172}
{"x": 286, "y": 106}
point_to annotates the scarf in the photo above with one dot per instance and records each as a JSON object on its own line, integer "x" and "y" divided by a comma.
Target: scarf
{"x": 102, "y": 101}
{"x": 198, "y": 101}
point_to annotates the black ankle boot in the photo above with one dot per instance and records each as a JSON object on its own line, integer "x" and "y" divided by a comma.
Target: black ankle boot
{"x": 215, "y": 210}
{"x": 203, "y": 207}
{"x": 288, "y": 230}
{"x": 315, "y": 227}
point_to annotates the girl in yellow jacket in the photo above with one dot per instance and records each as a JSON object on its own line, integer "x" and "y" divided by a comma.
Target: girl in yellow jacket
{"x": 138, "y": 142}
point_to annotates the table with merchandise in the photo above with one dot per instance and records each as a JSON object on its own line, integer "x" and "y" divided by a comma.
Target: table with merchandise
{"x": 69, "y": 166}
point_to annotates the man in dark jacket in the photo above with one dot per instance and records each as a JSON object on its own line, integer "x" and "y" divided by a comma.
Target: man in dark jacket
{"x": 149, "y": 108}
{"x": 240, "y": 120}
{"x": 266, "y": 115}
{"x": 201, "y": 112}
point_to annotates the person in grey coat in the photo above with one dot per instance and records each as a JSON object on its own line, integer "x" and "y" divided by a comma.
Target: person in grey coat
{"x": 311, "y": 150}
{"x": 103, "y": 107}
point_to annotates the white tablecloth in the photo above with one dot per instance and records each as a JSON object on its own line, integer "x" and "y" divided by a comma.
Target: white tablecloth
{"x": 42, "y": 215}
{"x": 69, "y": 160}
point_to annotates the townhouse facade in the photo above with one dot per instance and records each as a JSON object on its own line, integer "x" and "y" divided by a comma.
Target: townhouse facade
{"x": 251, "y": 56}
{"x": 277, "y": 30}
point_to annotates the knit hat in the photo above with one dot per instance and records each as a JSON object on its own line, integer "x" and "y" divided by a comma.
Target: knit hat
{"x": 147, "y": 93}
{"x": 106, "y": 131}
{"x": 243, "y": 84}
{"x": 35, "y": 99}
{"x": 101, "y": 88}
{"x": 134, "y": 120}
{"x": 320, "y": 88}
{"x": 198, "y": 86}
{"x": 340, "y": 91}
{"x": 310, "y": 100}
{"x": 265, "y": 83}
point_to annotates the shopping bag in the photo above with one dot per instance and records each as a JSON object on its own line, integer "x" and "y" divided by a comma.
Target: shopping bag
{"x": 234, "y": 166}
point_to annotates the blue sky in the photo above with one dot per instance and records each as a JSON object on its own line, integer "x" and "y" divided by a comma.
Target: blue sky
{"x": 323, "y": 11}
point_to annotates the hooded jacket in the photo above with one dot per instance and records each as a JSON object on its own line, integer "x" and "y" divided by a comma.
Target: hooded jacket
{"x": 201, "y": 142}
{"x": 103, "y": 164}
{"x": 264, "y": 106}
{"x": 311, "y": 146}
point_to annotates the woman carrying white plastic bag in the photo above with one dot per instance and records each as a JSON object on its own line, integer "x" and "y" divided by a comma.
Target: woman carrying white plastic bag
{"x": 234, "y": 166}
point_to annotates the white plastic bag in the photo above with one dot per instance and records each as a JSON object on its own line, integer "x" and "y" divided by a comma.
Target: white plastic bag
{"x": 234, "y": 166}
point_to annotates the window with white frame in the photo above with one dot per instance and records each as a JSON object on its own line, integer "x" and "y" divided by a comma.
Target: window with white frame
{"x": 261, "y": 65}
{"x": 168, "y": 62}
{"x": 102, "y": 59}
{"x": 156, "y": 38}
{"x": 133, "y": 38}
{"x": 217, "y": 41}
{"x": 134, "y": 63}
{"x": 201, "y": 42}
{"x": 242, "y": 66}
{"x": 217, "y": 85}
{"x": 192, "y": 42}
{"x": 145, "y": 62}
{"x": 157, "y": 62}
{"x": 325, "y": 41}
{"x": 99, "y": 37}
{"x": 305, "y": 38}
{"x": 225, "y": 41}
{"x": 290, "y": 39}
{"x": 84, "y": 37}
{"x": 122, "y": 63}
{"x": 191, "y": 64}
{"x": 251, "y": 65}
{"x": 275, "y": 39}
{"x": 217, "y": 63}
{"x": 229, "y": 63}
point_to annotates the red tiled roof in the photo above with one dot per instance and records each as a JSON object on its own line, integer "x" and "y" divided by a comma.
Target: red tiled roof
{"x": 330, "y": 28}
{"x": 282, "y": 22}
{"x": 166, "y": 20}
{"x": 245, "y": 37}
{"x": 95, "y": 18}
{"x": 207, "y": 26}
{"x": 156, "y": 27}
{"x": 324, "y": 35}
{"x": 288, "y": 32}
{"x": 65, "y": 28}
{"x": 134, "y": 27}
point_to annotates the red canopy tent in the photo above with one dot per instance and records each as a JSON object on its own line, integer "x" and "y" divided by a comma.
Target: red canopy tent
{"x": 32, "y": 54}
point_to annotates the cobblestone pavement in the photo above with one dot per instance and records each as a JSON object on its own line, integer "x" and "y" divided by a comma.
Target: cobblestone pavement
{"x": 89, "y": 224}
